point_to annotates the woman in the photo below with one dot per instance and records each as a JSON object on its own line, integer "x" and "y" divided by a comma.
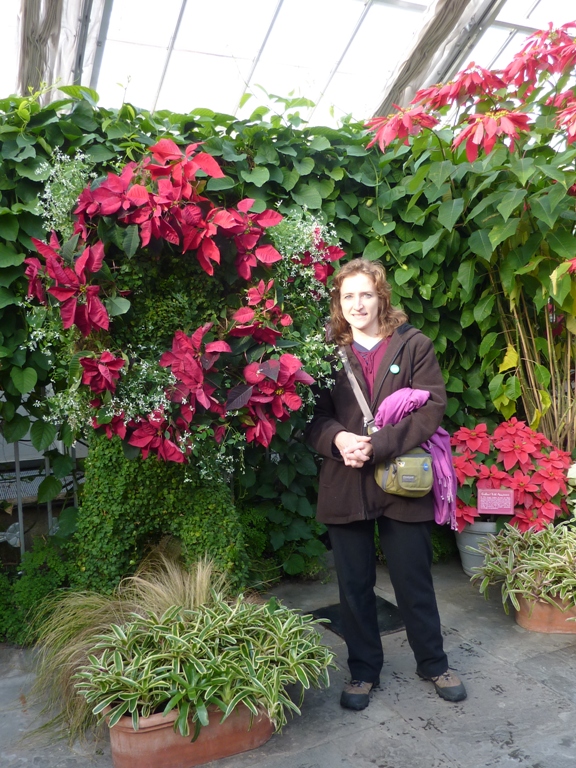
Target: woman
{"x": 386, "y": 354}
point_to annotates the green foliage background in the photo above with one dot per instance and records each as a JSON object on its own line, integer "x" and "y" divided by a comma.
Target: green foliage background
{"x": 448, "y": 231}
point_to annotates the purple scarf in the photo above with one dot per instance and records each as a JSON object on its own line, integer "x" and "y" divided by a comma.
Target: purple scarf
{"x": 392, "y": 409}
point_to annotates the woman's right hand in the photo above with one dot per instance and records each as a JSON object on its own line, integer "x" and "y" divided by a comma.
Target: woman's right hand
{"x": 354, "y": 449}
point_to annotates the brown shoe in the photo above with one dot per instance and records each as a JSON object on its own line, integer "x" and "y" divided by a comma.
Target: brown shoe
{"x": 448, "y": 686}
{"x": 356, "y": 694}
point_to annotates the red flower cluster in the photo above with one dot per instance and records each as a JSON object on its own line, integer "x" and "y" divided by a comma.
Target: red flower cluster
{"x": 406, "y": 122}
{"x": 80, "y": 304}
{"x": 190, "y": 365}
{"x": 101, "y": 374}
{"x": 271, "y": 395}
{"x": 484, "y": 129}
{"x": 321, "y": 257}
{"x": 163, "y": 200}
{"x": 516, "y": 457}
{"x": 549, "y": 50}
{"x": 472, "y": 81}
{"x": 552, "y": 51}
{"x": 260, "y": 323}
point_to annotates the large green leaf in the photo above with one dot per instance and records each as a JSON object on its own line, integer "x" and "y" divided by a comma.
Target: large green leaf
{"x": 257, "y": 176}
{"x": 304, "y": 194}
{"x": 563, "y": 243}
{"x": 24, "y": 379}
{"x": 523, "y": 168}
{"x": 7, "y": 298}
{"x": 9, "y": 226}
{"x": 304, "y": 166}
{"x": 439, "y": 172}
{"x": 449, "y": 212}
{"x": 224, "y": 182}
{"x": 374, "y": 249}
{"x": 484, "y": 307}
{"x": 9, "y": 257}
{"x": 48, "y": 489}
{"x": 117, "y": 305}
{"x": 510, "y": 202}
{"x": 42, "y": 435}
{"x": 16, "y": 429}
{"x": 480, "y": 244}
{"x": 474, "y": 398}
{"x": 542, "y": 209}
{"x": 466, "y": 272}
{"x": 131, "y": 240}
{"x": 502, "y": 232}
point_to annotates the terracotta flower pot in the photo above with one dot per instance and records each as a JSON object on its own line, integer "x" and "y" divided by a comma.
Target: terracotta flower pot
{"x": 541, "y": 616}
{"x": 156, "y": 745}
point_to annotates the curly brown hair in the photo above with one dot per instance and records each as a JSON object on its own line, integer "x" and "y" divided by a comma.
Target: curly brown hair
{"x": 389, "y": 317}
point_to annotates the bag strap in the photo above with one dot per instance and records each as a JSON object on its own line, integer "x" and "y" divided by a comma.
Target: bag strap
{"x": 364, "y": 407}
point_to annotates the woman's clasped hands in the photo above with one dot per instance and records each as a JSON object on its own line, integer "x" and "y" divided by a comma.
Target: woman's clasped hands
{"x": 355, "y": 450}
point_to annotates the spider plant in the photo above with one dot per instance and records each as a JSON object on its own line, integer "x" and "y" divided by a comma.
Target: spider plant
{"x": 535, "y": 565}
{"x": 224, "y": 654}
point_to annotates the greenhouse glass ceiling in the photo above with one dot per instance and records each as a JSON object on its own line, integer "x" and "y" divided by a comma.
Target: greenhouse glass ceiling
{"x": 344, "y": 57}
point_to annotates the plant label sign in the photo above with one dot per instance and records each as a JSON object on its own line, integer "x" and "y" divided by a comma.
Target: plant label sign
{"x": 496, "y": 502}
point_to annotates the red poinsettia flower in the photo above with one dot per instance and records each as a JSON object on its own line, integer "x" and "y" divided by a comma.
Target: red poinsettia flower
{"x": 274, "y": 382}
{"x": 513, "y": 451}
{"x": 483, "y": 130}
{"x": 153, "y": 434}
{"x": 472, "y": 81}
{"x": 465, "y": 514}
{"x": 404, "y": 123}
{"x": 115, "y": 427}
{"x": 550, "y": 50}
{"x": 566, "y": 119}
{"x": 561, "y": 100}
{"x": 523, "y": 486}
{"x": 80, "y": 304}
{"x": 465, "y": 467}
{"x": 473, "y": 440}
{"x": 551, "y": 479}
{"x": 35, "y": 286}
{"x": 491, "y": 477}
{"x": 260, "y": 426}
{"x": 189, "y": 365}
{"x": 101, "y": 374}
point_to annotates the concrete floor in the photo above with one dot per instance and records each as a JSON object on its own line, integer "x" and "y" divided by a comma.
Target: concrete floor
{"x": 520, "y": 711}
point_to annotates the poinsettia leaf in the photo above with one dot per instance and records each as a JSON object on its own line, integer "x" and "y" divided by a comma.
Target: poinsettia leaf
{"x": 267, "y": 254}
{"x": 243, "y": 315}
{"x": 166, "y": 149}
{"x": 238, "y": 397}
{"x": 271, "y": 369}
{"x": 218, "y": 346}
{"x": 208, "y": 164}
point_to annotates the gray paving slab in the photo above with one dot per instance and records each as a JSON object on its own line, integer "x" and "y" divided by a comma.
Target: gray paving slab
{"x": 520, "y": 710}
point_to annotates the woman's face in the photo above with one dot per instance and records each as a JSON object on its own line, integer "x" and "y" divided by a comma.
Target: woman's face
{"x": 360, "y": 304}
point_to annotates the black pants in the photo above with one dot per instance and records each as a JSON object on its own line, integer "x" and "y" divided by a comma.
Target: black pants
{"x": 408, "y": 553}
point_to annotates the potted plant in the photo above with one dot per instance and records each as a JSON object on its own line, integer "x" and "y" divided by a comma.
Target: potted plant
{"x": 536, "y": 570}
{"x": 513, "y": 457}
{"x": 217, "y": 673}
{"x": 181, "y": 674}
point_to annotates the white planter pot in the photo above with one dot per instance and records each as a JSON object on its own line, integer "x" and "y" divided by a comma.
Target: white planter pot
{"x": 468, "y": 541}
